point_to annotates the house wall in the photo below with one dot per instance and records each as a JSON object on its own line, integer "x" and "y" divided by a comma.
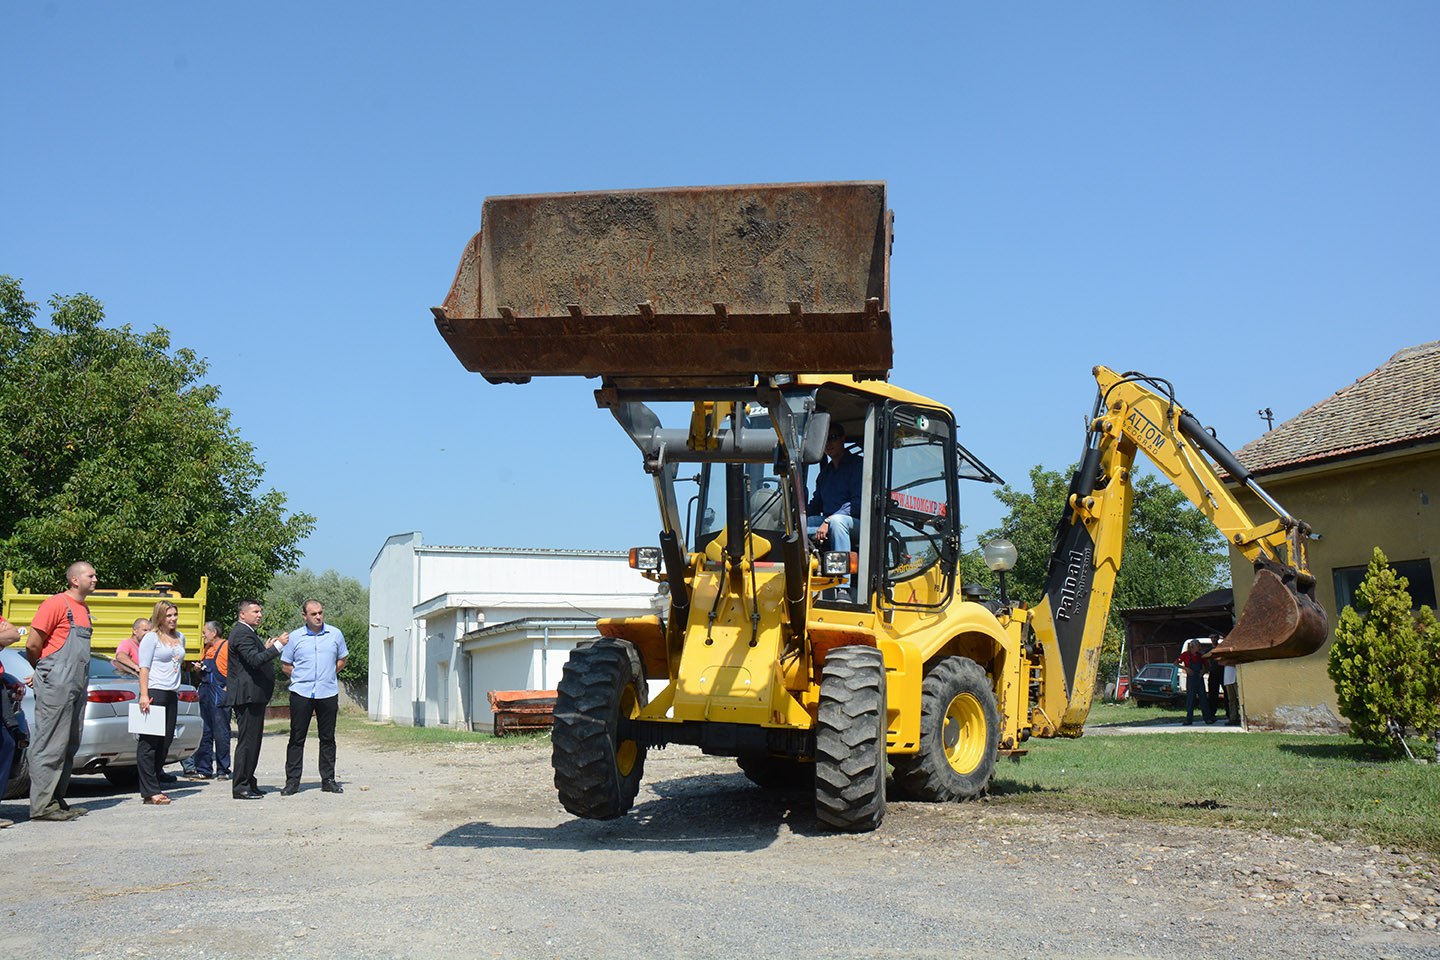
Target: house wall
{"x": 392, "y": 654}
{"x": 1391, "y": 502}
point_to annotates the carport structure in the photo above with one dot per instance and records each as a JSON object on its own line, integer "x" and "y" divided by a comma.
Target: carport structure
{"x": 1156, "y": 634}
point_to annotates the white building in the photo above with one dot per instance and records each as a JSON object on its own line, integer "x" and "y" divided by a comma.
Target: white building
{"x": 450, "y": 624}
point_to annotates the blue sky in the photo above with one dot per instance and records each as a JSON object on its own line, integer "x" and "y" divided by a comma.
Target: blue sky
{"x": 1239, "y": 197}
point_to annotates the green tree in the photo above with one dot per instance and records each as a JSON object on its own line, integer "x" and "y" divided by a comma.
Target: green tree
{"x": 347, "y": 608}
{"x": 116, "y": 453}
{"x": 1384, "y": 659}
{"x": 1172, "y": 553}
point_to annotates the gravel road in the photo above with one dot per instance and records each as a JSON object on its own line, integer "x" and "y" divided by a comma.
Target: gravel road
{"x": 463, "y": 851}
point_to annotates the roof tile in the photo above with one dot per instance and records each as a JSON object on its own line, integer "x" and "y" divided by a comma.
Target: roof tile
{"x": 1395, "y": 405}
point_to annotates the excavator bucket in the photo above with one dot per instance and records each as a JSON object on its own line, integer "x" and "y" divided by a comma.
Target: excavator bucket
{"x": 715, "y": 285}
{"x": 1280, "y": 620}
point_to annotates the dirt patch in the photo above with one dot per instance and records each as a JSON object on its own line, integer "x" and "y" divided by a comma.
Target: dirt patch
{"x": 462, "y": 850}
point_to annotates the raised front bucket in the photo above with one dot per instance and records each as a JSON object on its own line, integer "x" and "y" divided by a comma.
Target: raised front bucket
{"x": 1279, "y": 621}
{"x": 714, "y": 283}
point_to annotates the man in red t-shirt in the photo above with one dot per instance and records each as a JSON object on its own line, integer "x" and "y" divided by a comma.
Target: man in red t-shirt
{"x": 59, "y": 647}
{"x": 1192, "y": 662}
{"x": 127, "y": 655}
{"x": 12, "y": 740}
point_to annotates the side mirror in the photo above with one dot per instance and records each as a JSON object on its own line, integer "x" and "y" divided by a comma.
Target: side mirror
{"x": 816, "y": 431}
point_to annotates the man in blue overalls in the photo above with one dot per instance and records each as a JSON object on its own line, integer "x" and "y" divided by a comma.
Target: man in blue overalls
{"x": 213, "y": 757}
{"x": 59, "y": 648}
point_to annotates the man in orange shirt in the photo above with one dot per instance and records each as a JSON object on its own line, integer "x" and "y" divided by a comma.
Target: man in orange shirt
{"x": 59, "y": 647}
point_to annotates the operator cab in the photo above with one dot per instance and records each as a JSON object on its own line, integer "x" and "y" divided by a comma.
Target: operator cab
{"x": 906, "y": 540}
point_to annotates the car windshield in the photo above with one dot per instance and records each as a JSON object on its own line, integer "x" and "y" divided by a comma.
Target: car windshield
{"x": 1154, "y": 671}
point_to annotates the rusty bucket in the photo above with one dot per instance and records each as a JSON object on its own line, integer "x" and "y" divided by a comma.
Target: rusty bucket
{"x": 1280, "y": 620}
{"x": 715, "y": 283}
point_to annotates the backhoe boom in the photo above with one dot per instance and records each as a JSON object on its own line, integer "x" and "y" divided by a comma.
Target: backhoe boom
{"x": 1135, "y": 412}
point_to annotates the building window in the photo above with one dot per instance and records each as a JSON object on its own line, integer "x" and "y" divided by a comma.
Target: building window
{"x": 1422, "y": 583}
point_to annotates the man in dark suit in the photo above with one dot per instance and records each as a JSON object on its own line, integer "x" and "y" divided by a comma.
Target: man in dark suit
{"x": 250, "y": 681}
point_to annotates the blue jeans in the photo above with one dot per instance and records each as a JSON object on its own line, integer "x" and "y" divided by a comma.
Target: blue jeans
{"x": 1195, "y": 693}
{"x": 214, "y": 754}
{"x": 842, "y": 531}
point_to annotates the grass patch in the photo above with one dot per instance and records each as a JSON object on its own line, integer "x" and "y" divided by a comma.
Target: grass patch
{"x": 1129, "y": 713}
{"x": 392, "y": 736}
{"x": 1336, "y": 788}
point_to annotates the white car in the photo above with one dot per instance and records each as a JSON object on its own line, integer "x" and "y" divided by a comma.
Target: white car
{"x": 106, "y": 744}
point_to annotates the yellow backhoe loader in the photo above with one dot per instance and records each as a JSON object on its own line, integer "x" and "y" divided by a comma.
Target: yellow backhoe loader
{"x": 763, "y": 311}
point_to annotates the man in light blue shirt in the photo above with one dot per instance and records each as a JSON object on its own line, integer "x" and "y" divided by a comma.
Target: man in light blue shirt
{"x": 313, "y": 660}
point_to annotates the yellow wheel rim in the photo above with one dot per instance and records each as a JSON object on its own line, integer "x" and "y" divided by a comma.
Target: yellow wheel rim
{"x": 963, "y": 734}
{"x": 626, "y": 751}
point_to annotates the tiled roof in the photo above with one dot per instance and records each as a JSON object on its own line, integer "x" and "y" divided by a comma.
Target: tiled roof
{"x": 1396, "y": 405}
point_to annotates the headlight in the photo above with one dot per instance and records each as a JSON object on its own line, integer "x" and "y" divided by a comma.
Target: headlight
{"x": 645, "y": 559}
{"x": 835, "y": 563}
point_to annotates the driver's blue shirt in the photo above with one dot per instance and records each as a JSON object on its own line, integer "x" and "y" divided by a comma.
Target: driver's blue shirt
{"x": 837, "y": 489}
{"x": 313, "y": 656}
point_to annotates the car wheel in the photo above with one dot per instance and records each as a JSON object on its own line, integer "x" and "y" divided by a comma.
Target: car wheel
{"x": 127, "y": 778}
{"x": 19, "y": 785}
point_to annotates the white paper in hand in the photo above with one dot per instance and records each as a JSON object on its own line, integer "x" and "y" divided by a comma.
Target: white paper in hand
{"x": 153, "y": 723}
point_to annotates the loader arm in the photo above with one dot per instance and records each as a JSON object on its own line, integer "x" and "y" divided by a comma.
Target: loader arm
{"x": 1135, "y": 412}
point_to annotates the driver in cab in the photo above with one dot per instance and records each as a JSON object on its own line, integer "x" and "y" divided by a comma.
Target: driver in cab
{"x": 835, "y": 508}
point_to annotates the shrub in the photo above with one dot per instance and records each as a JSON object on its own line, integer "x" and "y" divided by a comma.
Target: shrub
{"x": 1384, "y": 659}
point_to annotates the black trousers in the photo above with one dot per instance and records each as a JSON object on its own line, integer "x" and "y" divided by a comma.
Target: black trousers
{"x": 301, "y": 709}
{"x": 249, "y": 728}
{"x": 151, "y": 751}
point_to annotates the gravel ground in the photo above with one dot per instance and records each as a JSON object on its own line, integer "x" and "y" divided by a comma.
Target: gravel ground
{"x": 462, "y": 850}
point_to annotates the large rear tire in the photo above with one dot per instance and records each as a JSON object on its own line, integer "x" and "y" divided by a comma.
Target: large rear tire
{"x": 959, "y": 735}
{"x": 850, "y": 740}
{"x": 596, "y": 772}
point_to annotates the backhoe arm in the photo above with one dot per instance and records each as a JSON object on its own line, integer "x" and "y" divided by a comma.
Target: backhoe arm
{"x": 1281, "y": 619}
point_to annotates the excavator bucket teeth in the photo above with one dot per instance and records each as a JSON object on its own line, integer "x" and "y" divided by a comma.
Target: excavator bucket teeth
{"x": 1279, "y": 621}
{"x": 713, "y": 284}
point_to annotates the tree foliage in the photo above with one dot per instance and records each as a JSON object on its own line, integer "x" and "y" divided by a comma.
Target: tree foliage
{"x": 1385, "y": 660}
{"x": 1172, "y": 552}
{"x": 115, "y": 452}
{"x": 347, "y": 608}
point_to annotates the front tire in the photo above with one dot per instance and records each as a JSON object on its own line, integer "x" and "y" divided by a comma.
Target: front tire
{"x": 959, "y": 735}
{"x": 850, "y": 740}
{"x": 596, "y": 772}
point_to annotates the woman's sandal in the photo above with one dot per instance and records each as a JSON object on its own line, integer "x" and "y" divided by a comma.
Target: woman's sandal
{"x": 159, "y": 798}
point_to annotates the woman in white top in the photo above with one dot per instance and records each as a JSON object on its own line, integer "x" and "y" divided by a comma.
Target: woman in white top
{"x": 162, "y": 653}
